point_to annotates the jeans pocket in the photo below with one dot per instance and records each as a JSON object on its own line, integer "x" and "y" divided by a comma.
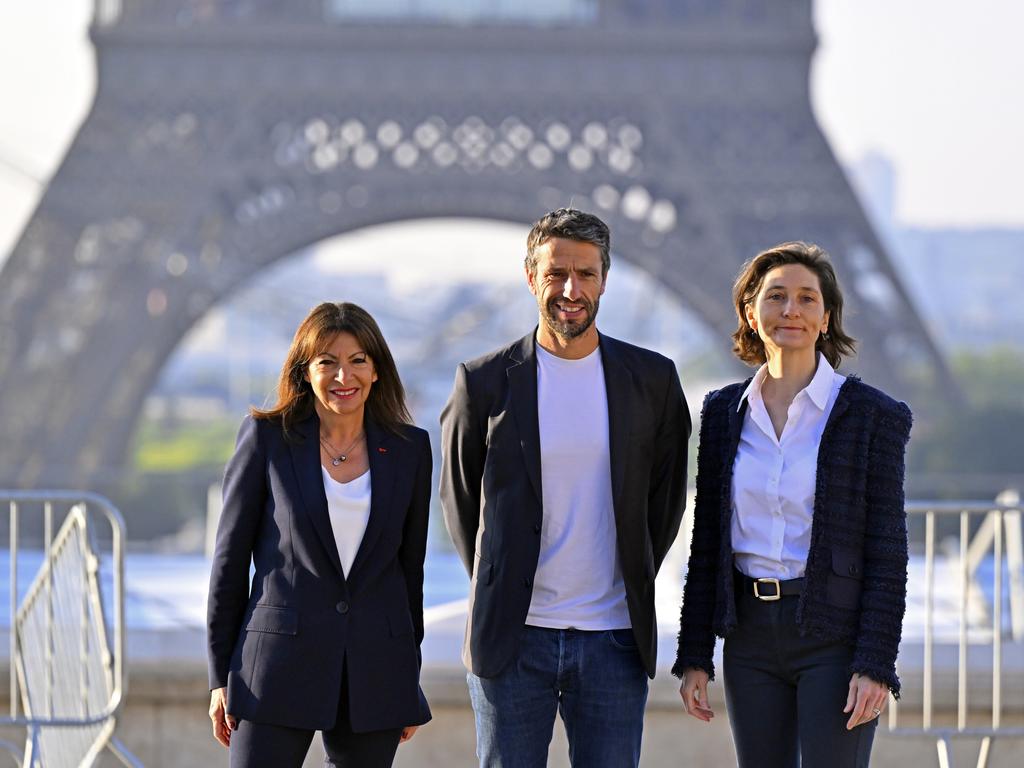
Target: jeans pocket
{"x": 623, "y": 639}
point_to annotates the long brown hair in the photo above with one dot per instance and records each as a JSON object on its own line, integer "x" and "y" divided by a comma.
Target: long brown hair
{"x": 835, "y": 344}
{"x": 295, "y": 398}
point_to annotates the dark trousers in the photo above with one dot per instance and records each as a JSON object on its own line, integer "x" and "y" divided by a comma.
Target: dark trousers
{"x": 261, "y": 745}
{"x": 785, "y": 693}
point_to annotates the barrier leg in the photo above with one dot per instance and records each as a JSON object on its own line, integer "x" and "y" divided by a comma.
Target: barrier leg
{"x": 942, "y": 745}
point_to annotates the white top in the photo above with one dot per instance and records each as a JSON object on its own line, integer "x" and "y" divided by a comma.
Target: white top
{"x": 349, "y": 507}
{"x": 774, "y": 477}
{"x": 578, "y": 582}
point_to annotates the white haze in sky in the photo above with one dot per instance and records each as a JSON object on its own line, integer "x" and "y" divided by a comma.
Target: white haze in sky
{"x": 928, "y": 84}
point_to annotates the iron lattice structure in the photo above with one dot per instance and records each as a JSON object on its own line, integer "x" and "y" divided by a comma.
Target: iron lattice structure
{"x": 227, "y": 134}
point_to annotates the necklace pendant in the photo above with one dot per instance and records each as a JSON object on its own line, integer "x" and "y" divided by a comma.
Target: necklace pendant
{"x": 343, "y": 457}
{"x": 336, "y": 462}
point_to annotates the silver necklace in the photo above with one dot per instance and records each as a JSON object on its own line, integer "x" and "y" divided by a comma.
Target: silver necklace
{"x": 342, "y": 455}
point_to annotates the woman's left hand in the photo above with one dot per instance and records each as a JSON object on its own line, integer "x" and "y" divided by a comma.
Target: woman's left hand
{"x": 407, "y": 733}
{"x": 866, "y": 700}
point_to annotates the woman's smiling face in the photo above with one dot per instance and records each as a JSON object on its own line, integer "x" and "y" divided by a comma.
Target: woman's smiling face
{"x": 341, "y": 376}
{"x": 789, "y": 311}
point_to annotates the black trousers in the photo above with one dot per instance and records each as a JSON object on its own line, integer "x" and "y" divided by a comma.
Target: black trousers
{"x": 262, "y": 745}
{"x": 785, "y": 693}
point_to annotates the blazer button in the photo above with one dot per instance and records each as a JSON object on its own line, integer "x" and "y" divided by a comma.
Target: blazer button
{"x": 527, "y": 581}
{"x": 536, "y": 528}
{"x": 342, "y": 607}
{"x": 853, "y": 570}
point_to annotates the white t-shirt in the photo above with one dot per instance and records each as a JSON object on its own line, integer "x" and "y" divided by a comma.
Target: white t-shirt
{"x": 578, "y": 582}
{"x": 774, "y": 478}
{"x": 349, "y": 507}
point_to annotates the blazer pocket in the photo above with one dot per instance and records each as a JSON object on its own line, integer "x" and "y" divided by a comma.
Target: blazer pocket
{"x": 400, "y": 624}
{"x": 484, "y": 570}
{"x": 844, "y": 582}
{"x": 271, "y": 618}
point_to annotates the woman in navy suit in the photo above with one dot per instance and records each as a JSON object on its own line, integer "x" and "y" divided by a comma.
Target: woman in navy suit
{"x": 327, "y": 494}
{"x": 799, "y": 552}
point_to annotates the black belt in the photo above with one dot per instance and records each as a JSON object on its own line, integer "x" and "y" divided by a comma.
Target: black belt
{"x": 769, "y": 588}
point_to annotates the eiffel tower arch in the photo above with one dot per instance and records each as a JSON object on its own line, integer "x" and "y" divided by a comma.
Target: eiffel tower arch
{"x": 227, "y": 134}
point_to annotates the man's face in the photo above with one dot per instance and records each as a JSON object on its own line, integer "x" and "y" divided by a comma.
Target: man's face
{"x": 568, "y": 285}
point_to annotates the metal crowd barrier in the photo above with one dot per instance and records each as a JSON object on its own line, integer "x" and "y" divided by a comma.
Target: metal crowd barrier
{"x": 66, "y": 664}
{"x": 980, "y": 623}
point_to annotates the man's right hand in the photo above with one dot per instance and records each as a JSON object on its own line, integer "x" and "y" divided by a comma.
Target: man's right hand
{"x": 694, "y": 690}
{"x": 223, "y": 723}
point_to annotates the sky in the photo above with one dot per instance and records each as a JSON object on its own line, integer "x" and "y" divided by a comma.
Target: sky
{"x": 926, "y": 83}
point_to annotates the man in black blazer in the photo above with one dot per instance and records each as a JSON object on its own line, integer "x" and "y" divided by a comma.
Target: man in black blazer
{"x": 563, "y": 479}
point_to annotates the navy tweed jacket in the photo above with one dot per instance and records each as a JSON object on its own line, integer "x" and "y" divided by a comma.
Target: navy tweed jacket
{"x": 856, "y": 573}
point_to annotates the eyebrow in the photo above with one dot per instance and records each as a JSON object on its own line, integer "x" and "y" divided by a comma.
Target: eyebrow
{"x": 801, "y": 288}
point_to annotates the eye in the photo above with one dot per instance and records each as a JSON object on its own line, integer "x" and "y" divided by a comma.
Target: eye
{"x": 358, "y": 360}
{"x": 810, "y": 299}
{"x": 774, "y": 296}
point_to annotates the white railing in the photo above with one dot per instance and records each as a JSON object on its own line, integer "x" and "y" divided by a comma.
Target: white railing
{"x": 67, "y": 677}
{"x": 980, "y": 624}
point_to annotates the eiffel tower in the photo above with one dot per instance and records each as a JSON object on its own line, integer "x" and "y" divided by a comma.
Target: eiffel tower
{"x": 227, "y": 134}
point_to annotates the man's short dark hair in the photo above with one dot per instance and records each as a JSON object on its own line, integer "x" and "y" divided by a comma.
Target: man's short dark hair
{"x": 570, "y": 224}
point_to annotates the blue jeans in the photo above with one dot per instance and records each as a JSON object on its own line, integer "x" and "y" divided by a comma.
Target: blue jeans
{"x": 594, "y": 680}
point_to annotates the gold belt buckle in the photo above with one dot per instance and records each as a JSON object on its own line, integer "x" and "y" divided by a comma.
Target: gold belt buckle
{"x": 769, "y": 598}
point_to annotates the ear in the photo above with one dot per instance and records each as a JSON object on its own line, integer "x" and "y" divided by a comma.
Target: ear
{"x": 751, "y": 317}
{"x": 824, "y": 322}
{"x": 531, "y": 280}
{"x": 604, "y": 283}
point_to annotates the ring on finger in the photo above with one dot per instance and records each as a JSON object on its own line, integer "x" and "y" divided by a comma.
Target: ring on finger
{"x": 877, "y": 711}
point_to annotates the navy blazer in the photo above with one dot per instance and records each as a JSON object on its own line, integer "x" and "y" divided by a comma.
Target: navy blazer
{"x": 280, "y": 646}
{"x": 856, "y": 575}
{"x": 491, "y": 486}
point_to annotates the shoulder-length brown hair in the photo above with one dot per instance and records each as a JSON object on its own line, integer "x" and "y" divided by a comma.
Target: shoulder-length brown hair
{"x": 748, "y": 347}
{"x": 295, "y": 398}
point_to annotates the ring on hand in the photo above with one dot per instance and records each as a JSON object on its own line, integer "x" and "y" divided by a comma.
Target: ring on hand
{"x": 877, "y": 711}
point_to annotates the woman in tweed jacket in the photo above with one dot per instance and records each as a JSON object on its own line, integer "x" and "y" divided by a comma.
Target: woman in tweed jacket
{"x": 799, "y": 551}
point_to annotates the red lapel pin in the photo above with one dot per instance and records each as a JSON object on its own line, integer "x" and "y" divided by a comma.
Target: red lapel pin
{"x": 382, "y": 450}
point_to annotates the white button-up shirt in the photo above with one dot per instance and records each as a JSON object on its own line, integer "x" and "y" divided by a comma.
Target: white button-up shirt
{"x": 774, "y": 477}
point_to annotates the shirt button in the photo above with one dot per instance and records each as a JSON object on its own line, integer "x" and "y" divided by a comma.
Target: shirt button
{"x": 342, "y": 607}
{"x": 527, "y": 581}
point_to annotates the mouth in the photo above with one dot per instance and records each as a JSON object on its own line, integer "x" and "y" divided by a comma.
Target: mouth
{"x": 344, "y": 394}
{"x": 570, "y": 309}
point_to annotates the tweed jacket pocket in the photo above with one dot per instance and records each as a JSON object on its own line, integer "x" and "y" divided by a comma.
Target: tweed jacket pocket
{"x": 844, "y": 580}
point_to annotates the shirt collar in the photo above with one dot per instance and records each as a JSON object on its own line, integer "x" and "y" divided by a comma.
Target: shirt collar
{"x": 819, "y": 388}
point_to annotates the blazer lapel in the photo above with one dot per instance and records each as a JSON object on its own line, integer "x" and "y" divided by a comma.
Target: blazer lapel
{"x": 838, "y": 409}
{"x": 306, "y": 462}
{"x": 522, "y": 382}
{"x": 618, "y": 385}
{"x": 381, "y": 451}
{"x": 737, "y": 410}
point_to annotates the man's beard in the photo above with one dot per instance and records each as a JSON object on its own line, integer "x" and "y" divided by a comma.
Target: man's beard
{"x": 570, "y": 329}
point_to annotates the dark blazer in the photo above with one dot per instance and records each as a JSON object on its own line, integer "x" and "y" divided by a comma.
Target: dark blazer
{"x": 491, "y": 486}
{"x": 856, "y": 575}
{"x": 280, "y": 647}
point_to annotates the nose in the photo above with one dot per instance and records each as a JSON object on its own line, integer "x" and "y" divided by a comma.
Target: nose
{"x": 571, "y": 290}
{"x": 792, "y": 308}
{"x": 340, "y": 375}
